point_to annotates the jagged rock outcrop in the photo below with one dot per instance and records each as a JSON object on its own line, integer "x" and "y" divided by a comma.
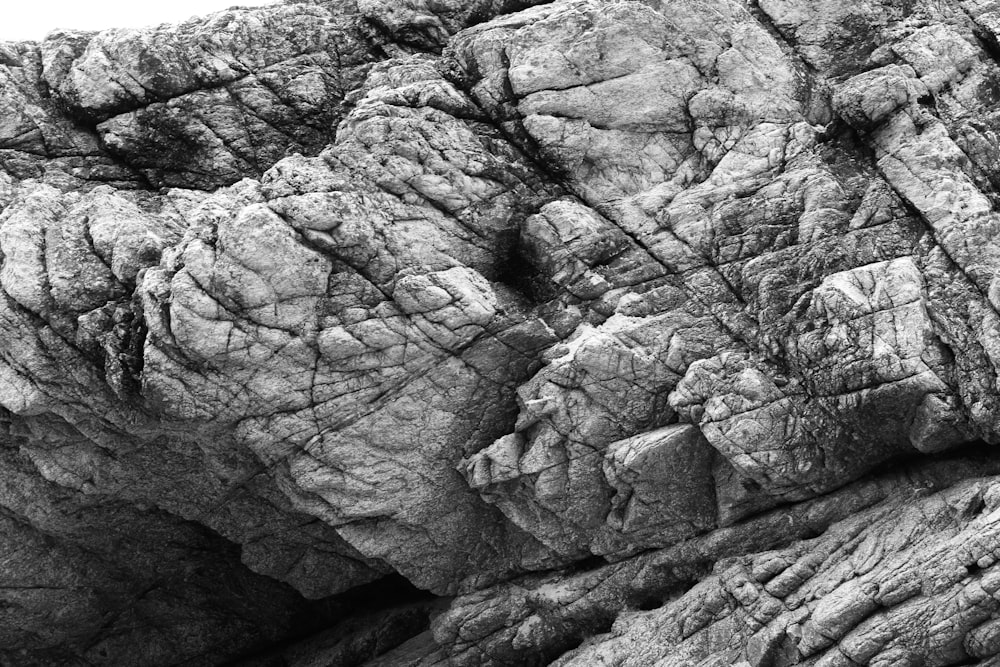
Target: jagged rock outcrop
{"x": 582, "y": 332}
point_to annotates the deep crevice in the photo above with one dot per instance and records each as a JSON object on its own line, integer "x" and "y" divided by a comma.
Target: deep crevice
{"x": 339, "y": 617}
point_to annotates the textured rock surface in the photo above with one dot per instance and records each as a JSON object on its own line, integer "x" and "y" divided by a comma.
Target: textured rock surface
{"x": 506, "y": 332}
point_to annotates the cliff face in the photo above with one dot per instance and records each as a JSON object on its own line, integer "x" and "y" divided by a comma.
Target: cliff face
{"x": 591, "y": 332}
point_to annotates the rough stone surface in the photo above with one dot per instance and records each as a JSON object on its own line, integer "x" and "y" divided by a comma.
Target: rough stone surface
{"x": 505, "y": 332}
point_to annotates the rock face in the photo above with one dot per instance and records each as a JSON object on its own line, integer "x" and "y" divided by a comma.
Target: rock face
{"x": 505, "y": 332}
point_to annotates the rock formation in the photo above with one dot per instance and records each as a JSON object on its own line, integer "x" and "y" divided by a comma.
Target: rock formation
{"x": 504, "y": 332}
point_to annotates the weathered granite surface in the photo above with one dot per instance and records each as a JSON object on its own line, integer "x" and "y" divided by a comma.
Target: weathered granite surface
{"x": 504, "y": 332}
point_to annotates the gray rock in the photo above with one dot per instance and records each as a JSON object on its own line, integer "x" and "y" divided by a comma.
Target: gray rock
{"x": 503, "y": 332}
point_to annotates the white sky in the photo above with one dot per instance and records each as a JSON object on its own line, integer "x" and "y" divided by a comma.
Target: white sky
{"x": 32, "y": 19}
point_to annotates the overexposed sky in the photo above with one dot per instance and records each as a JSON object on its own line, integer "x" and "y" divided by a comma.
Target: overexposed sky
{"x": 32, "y": 19}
